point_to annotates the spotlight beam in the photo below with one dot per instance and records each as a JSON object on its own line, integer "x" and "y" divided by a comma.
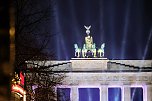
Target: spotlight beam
{"x": 147, "y": 45}
{"x": 59, "y": 39}
{"x": 125, "y": 30}
{"x": 101, "y": 29}
{"x": 74, "y": 21}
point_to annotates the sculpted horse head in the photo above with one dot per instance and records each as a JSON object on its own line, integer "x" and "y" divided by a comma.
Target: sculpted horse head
{"x": 75, "y": 46}
{"x": 103, "y": 46}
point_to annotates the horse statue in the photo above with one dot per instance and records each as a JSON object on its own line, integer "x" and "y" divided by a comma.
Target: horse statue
{"x": 89, "y": 49}
{"x": 77, "y": 50}
{"x": 94, "y": 50}
{"x": 101, "y": 50}
{"x": 84, "y": 51}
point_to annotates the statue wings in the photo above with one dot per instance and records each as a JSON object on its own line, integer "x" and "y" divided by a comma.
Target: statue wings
{"x": 87, "y": 27}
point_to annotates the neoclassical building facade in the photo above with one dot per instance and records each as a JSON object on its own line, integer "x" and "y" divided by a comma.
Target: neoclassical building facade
{"x": 100, "y": 79}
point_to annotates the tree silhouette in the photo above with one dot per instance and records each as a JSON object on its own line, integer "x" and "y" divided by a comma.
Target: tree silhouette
{"x": 31, "y": 38}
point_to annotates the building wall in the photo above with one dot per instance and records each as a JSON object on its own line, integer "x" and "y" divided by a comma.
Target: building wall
{"x": 95, "y": 73}
{"x": 103, "y": 81}
{"x": 87, "y": 74}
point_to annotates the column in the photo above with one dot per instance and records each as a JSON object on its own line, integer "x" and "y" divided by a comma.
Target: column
{"x": 149, "y": 93}
{"x": 103, "y": 93}
{"x": 126, "y": 94}
{"x": 74, "y": 93}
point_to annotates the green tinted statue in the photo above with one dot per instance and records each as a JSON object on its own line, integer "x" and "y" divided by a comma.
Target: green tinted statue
{"x": 88, "y": 39}
{"x": 101, "y": 50}
{"x": 89, "y": 48}
{"x": 77, "y": 50}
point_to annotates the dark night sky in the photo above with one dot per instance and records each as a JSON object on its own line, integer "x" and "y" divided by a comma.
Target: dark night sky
{"x": 124, "y": 25}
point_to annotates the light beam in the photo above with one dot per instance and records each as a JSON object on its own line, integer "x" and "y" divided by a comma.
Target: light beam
{"x": 147, "y": 45}
{"x": 125, "y": 30}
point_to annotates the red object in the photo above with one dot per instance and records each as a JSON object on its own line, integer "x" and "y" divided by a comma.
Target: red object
{"x": 22, "y": 78}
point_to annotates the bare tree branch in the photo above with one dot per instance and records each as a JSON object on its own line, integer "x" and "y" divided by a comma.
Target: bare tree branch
{"x": 31, "y": 39}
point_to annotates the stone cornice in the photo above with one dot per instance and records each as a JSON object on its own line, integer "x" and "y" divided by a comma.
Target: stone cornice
{"x": 108, "y": 78}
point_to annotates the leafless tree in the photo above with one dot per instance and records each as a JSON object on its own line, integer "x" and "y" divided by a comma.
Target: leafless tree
{"x": 32, "y": 38}
{"x": 32, "y": 33}
{"x": 41, "y": 81}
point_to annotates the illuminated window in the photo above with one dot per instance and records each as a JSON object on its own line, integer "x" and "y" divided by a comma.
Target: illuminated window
{"x": 63, "y": 94}
{"x": 136, "y": 94}
{"x": 89, "y": 94}
{"x": 114, "y": 94}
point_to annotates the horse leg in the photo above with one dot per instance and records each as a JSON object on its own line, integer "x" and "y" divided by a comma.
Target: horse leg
{"x": 75, "y": 54}
{"x": 82, "y": 54}
{"x": 78, "y": 54}
{"x": 94, "y": 53}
